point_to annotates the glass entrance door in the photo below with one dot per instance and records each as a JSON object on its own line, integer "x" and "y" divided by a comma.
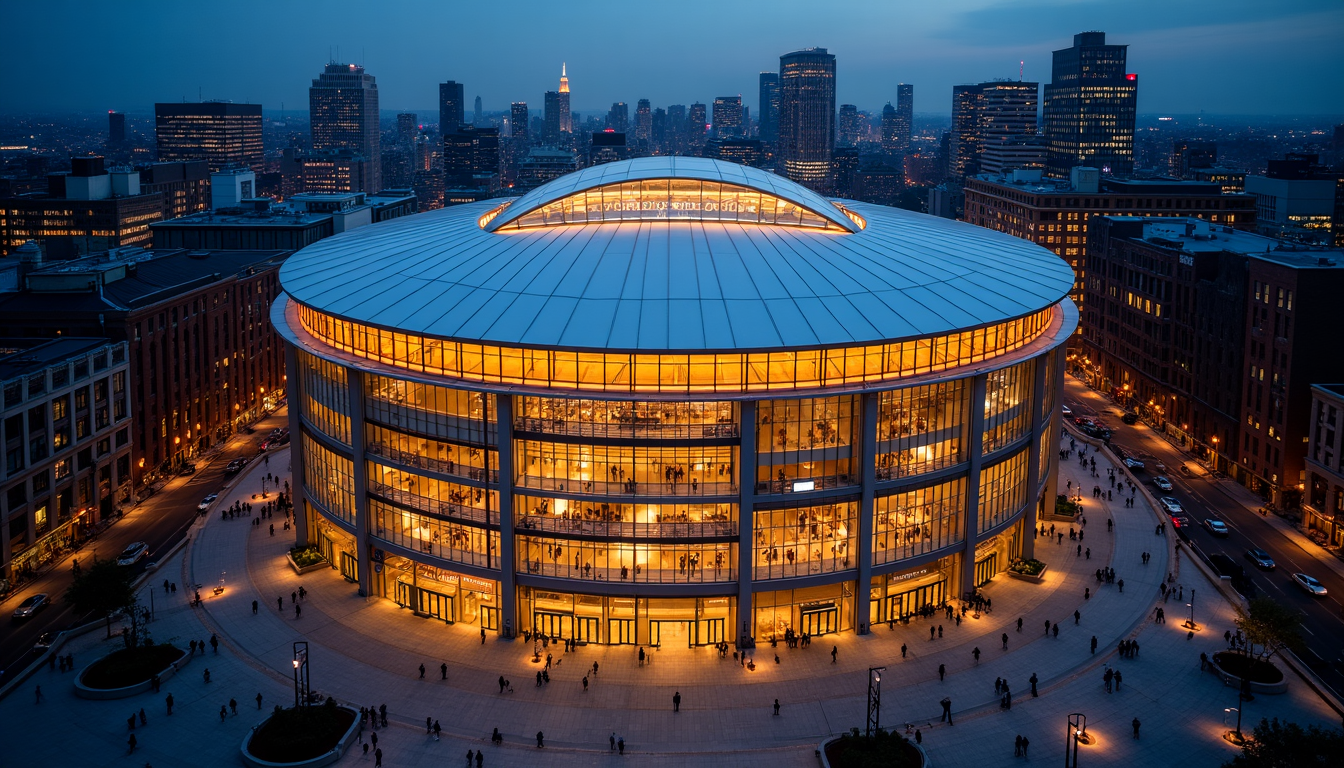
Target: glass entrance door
{"x": 621, "y": 631}
{"x": 437, "y": 605}
{"x": 674, "y": 633}
{"x": 709, "y": 631}
{"x": 349, "y": 566}
{"x": 553, "y": 625}
{"x": 586, "y": 629}
{"x": 405, "y": 594}
{"x": 986, "y": 569}
{"x": 820, "y": 620}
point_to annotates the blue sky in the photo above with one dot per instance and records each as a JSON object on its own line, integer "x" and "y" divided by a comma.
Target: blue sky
{"x": 1220, "y": 56}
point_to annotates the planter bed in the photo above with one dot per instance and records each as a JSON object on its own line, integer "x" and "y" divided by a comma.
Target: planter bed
{"x": 1265, "y": 676}
{"x": 310, "y": 737}
{"x": 128, "y": 672}
{"x": 308, "y": 568}
{"x": 1036, "y": 579}
{"x": 889, "y": 750}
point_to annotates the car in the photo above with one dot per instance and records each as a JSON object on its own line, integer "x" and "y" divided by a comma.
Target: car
{"x": 29, "y": 608}
{"x": 187, "y": 469}
{"x": 1216, "y": 527}
{"x": 207, "y": 501}
{"x": 1171, "y": 505}
{"x": 1261, "y": 558}
{"x": 1179, "y": 522}
{"x": 233, "y": 468}
{"x": 1310, "y": 585}
{"x": 1162, "y": 483}
{"x": 1066, "y": 410}
{"x": 1133, "y": 464}
{"x": 1130, "y": 417}
{"x": 43, "y": 643}
{"x": 1185, "y": 470}
{"x": 133, "y": 554}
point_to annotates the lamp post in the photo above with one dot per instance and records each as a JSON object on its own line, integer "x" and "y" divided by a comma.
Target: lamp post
{"x": 874, "y": 698}
{"x": 302, "y": 682}
{"x": 1190, "y": 622}
{"x": 1076, "y": 734}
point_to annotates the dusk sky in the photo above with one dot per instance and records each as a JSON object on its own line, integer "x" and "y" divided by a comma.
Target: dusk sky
{"x": 1220, "y": 56}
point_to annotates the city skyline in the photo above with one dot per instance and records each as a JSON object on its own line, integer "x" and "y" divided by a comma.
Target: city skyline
{"x": 1282, "y": 56}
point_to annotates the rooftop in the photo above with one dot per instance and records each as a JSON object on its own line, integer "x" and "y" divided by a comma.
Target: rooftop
{"x": 1108, "y": 185}
{"x": 1199, "y": 236}
{"x": 1335, "y": 389}
{"x": 676, "y": 285}
{"x": 43, "y": 353}
{"x": 242, "y": 217}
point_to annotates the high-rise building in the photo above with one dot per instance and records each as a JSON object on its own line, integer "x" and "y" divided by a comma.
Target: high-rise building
{"x": 518, "y": 121}
{"x": 727, "y": 117}
{"x": 185, "y": 187}
{"x": 658, "y": 131}
{"x": 116, "y": 128}
{"x": 452, "y": 106}
{"x": 469, "y": 153}
{"x": 219, "y": 132}
{"x": 988, "y": 115}
{"x": 807, "y": 116}
{"x": 343, "y": 110}
{"x": 847, "y": 134}
{"x": 890, "y": 138}
{"x": 1189, "y": 155}
{"x": 406, "y": 128}
{"x": 618, "y": 117}
{"x": 768, "y": 108}
{"x": 1090, "y": 107}
{"x": 606, "y": 147}
{"x": 643, "y": 123}
{"x": 696, "y": 124}
{"x": 84, "y": 211}
{"x": 964, "y": 151}
{"x": 676, "y": 129}
{"x": 905, "y": 116}
{"x": 566, "y": 120}
{"x": 552, "y": 111}
{"x": 477, "y": 117}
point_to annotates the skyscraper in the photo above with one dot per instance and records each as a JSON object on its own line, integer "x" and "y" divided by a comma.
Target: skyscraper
{"x": 658, "y": 132}
{"x": 219, "y": 132}
{"x": 890, "y": 134}
{"x": 566, "y": 123}
{"x": 768, "y": 108}
{"x": 849, "y": 130}
{"x": 552, "y": 111}
{"x": 476, "y": 117}
{"x": 518, "y": 121}
{"x": 1007, "y": 124}
{"x": 643, "y": 123}
{"x": 905, "y": 116}
{"x": 343, "y": 110}
{"x": 1089, "y": 107}
{"x": 406, "y": 127}
{"x": 452, "y": 103}
{"x": 676, "y": 129}
{"x": 116, "y": 128}
{"x": 807, "y": 116}
{"x": 618, "y": 117}
{"x": 964, "y": 151}
{"x": 696, "y": 119}
{"x": 727, "y": 117}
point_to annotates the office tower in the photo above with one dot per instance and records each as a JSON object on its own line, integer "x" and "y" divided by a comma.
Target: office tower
{"x": 740, "y": 151}
{"x": 343, "y": 110}
{"x": 807, "y": 116}
{"x": 905, "y": 116}
{"x": 1089, "y": 107}
{"x": 518, "y": 119}
{"x": 552, "y": 106}
{"x": 658, "y": 131}
{"x": 116, "y": 128}
{"x": 643, "y": 122}
{"x": 566, "y": 121}
{"x": 964, "y": 152}
{"x": 1299, "y": 199}
{"x": 87, "y": 210}
{"x": 850, "y": 129}
{"x": 606, "y": 147}
{"x": 727, "y": 117}
{"x": 618, "y": 117}
{"x": 845, "y": 170}
{"x": 470, "y": 157}
{"x": 219, "y": 132}
{"x": 452, "y": 103}
{"x": 768, "y": 108}
{"x": 185, "y": 186}
{"x": 406, "y": 128}
{"x": 1188, "y": 156}
{"x": 676, "y": 129}
{"x": 890, "y": 134}
{"x": 477, "y": 118}
{"x": 985, "y": 118}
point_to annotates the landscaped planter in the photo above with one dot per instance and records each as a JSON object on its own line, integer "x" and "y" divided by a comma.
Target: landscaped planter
{"x": 86, "y": 691}
{"x": 830, "y": 753}
{"x": 1027, "y": 570}
{"x": 337, "y": 750}
{"x": 1264, "y": 685}
{"x": 302, "y": 569}
{"x": 1037, "y": 579}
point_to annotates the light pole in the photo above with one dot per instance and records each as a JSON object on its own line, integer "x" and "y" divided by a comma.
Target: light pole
{"x": 1190, "y": 622}
{"x": 874, "y": 698}
{"x": 1076, "y": 734}
{"x": 302, "y": 683}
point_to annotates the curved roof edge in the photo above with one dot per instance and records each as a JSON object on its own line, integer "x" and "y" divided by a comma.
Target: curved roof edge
{"x": 693, "y": 168}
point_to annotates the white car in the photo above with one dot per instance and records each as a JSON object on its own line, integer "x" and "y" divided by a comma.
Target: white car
{"x": 1171, "y": 506}
{"x": 207, "y": 501}
{"x": 1310, "y": 585}
{"x": 133, "y": 554}
{"x": 1066, "y": 410}
{"x": 1216, "y": 527}
{"x": 1133, "y": 464}
{"x": 31, "y": 606}
{"x": 1162, "y": 483}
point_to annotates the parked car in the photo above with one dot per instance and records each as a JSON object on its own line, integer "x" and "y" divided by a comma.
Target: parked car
{"x": 1261, "y": 558}
{"x": 1130, "y": 417}
{"x": 187, "y": 469}
{"x": 1170, "y": 505}
{"x": 1066, "y": 410}
{"x": 1162, "y": 483}
{"x": 29, "y": 608}
{"x": 1133, "y": 464}
{"x": 1216, "y": 527}
{"x": 207, "y": 501}
{"x": 133, "y": 554}
{"x": 1185, "y": 470}
{"x": 1310, "y": 585}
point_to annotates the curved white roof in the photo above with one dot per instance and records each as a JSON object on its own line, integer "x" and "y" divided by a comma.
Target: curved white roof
{"x": 696, "y": 168}
{"x": 684, "y": 286}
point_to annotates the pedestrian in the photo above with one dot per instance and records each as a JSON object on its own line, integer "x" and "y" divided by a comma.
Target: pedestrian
{"x": 443, "y": 671}
{"x": 298, "y": 610}
{"x": 947, "y": 710}
{"x": 258, "y": 701}
{"x": 585, "y": 683}
{"x": 976, "y": 653}
{"x": 37, "y": 695}
{"x": 1094, "y": 644}
{"x": 940, "y": 631}
{"x": 233, "y": 705}
{"x": 902, "y": 650}
{"x": 1017, "y": 746}
{"x": 1019, "y": 623}
{"x": 676, "y": 701}
{"x": 382, "y": 714}
{"x": 620, "y": 746}
{"x": 776, "y": 707}
{"x": 835, "y": 651}
{"x": 1076, "y": 617}
{"x": 378, "y": 758}
{"x": 206, "y": 675}
{"x": 480, "y": 757}
{"x": 1047, "y": 626}
{"x": 1025, "y": 743}
{"x": 130, "y": 744}
{"x": 223, "y": 713}
{"x": 1121, "y": 584}
{"x": 214, "y": 642}
{"x": 280, "y": 603}
{"x": 1117, "y": 680}
{"x": 254, "y": 607}
{"x": 1135, "y": 722}
{"x": 470, "y": 756}
{"x": 1055, "y": 630}
{"x": 594, "y": 669}
{"x": 1005, "y": 641}
{"x": 293, "y": 597}
{"x": 541, "y": 743}
{"x": 1088, "y": 554}
{"x": 422, "y": 671}
{"x": 1203, "y": 661}
{"x": 612, "y": 741}
{"x": 942, "y": 672}
{"x": 1033, "y": 680}
{"x": 272, "y": 529}
{"x": 429, "y": 726}
{"x": 365, "y": 745}
{"x": 169, "y": 702}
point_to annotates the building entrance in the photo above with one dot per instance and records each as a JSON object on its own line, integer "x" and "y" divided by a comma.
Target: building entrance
{"x": 621, "y": 631}
{"x": 586, "y": 629}
{"x": 553, "y": 625}
{"x": 909, "y": 603}
{"x": 349, "y": 566}
{"x": 986, "y": 569}
{"x": 674, "y": 633}
{"x": 820, "y": 619}
{"x": 436, "y": 605}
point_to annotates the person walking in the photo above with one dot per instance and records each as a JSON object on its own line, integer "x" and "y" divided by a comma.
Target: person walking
{"x": 1076, "y": 618}
{"x": 541, "y": 742}
{"x": 378, "y": 758}
{"x": 976, "y": 653}
{"x": 437, "y": 730}
{"x": 169, "y": 702}
{"x": 1025, "y": 744}
{"x": 206, "y": 675}
{"x": 620, "y": 746}
{"x": 130, "y": 744}
{"x": 258, "y": 701}
{"x": 942, "y": 672}
{"x": 902, "y": 650}
{"x": 1005, "y": 641}
{"x": 223, "y": 713}
{"x": 1135, "y": 723}
{"x": 443, "y": 671}
{"x": 1094, "y": 644}
{"x": 1017, "y": 746}
{"x": 835, "y": 652}
{"x": 947, "y": 710}
{"x": 298, "y": 610}
{"x": 422, "y": 671}
{"x": 676, "y": 701}
{"x": 776, "y": 707}
{"x": 254, "y": 607}
{"x": 280, "y": 603}
{"x": 1019, "y": 623}
{"x": 233, "y": 705}
{"x": 612, "y": 741}
{"x": 214, "y": 643}
{"x": 1117, "y": 680}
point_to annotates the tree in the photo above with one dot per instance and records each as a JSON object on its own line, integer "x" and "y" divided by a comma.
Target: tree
{"x": 1289, "y": 745}
{"x": 102, "y": 589}
{"x": 1268, "y": 628}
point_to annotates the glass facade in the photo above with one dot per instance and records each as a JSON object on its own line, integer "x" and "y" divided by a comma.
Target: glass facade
{"x": 917, "y": 522}
{"x": 1003, "y": 490}
{"x": 801, "y": 541}
{"x": 329, "y": 479}
{"x": 922, "y": 429}
{"x": 1007, "y": 405}
{"x": 326, "y": 400}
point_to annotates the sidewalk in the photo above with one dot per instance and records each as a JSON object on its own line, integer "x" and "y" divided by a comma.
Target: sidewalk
{"x": 366, "y": 652}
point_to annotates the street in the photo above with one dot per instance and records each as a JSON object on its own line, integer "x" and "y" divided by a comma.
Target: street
{"x": 1203, "y": 496}
{"x": 160, "y": 521}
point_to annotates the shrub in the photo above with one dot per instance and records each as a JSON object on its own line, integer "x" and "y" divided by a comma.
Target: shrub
{"x": 1027, "y": 567}
{"x": 306, "y": 556}
{"x": 294, "y": 735}
{"x": 1065, "y": 507}
{"x": 130, "y": 666}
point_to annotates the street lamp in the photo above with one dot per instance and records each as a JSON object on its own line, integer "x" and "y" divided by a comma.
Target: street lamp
{"x": 302, "y": 683}
{"x": 1075, "y": 735}
{"x": 1190, "y": 622}
{"x": 874, "y": 698}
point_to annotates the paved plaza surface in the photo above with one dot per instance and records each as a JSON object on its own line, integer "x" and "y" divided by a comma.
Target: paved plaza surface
{"x": 367, "y": 652}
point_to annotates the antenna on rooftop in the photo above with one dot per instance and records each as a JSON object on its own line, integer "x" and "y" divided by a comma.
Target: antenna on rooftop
{"x": 1020, "y": 66}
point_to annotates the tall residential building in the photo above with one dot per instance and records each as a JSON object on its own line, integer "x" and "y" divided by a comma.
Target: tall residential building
{"x": 219, "y": 132}
{"x": 618, "y": 117}
{"x": 552, "y": 111}
{"x": 116, "y": 128}
{"x": 566, "y": 119}
{"x": 905, "y": 116}
{"x": 518, "y": 121}
{"x": 452, "y": 106}
{"x": 343, "y": 110}
{"x": 477, "y": 117}
{"x": 850, "y": 128}
{"x": 807, "y": 117}
{"x": 727, "y": 117}
{"x": 890, "y": 138}
{"x": 768, "y": 108}
{"x": 1090, "y": 106}
{"x": 643, "y": 123}
{"x": 406, "y": 128}
{"x": 986, "y": 115}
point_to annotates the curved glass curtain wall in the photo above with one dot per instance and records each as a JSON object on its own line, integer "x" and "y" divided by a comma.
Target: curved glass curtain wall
{"x": 674, "y": 373}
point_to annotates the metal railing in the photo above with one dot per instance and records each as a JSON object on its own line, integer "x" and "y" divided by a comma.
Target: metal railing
{"x": 648, "y": 430}
{"x": 432, "y": 464}
{"x": 628, "y": 530}
{"x": 434, "y": 506}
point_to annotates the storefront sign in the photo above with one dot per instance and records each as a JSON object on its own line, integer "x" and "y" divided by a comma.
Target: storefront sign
{"x": 911, "y": 575}
{"x": 478, "y": 585}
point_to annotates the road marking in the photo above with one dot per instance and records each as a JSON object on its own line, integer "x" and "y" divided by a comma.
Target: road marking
{"x": 1303, "y": 627}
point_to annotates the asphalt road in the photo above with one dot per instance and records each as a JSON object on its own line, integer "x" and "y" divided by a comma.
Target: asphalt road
{"x": 1205, "y": 497}
{"x": 160, "y": 521}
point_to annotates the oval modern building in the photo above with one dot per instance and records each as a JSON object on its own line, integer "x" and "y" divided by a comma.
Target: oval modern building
{"x": 673, "y": 401}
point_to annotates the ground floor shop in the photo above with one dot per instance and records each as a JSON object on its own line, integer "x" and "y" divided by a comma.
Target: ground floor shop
{"x": 901, "y": 596}
{"x": 812, "y": 611}
{"x": 437, "y": 593}
{"x": 627, "y": 620}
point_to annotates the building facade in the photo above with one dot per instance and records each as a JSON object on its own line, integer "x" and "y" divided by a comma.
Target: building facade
{"x": 727, "y": 117}
{"x": 1323, "y": 500}
{"x": 221, "y": 133}
{"x": 1090, "y": 107}
{"x": 84, "y": 211}
{"x": 66, "y": 423}
{"x": 343, "y": 113}
{"x": 452, "y": 106}
{"x": 768, "y": 109}
{"x": 807, "y": 117}
{"x": 661, "y": 460}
